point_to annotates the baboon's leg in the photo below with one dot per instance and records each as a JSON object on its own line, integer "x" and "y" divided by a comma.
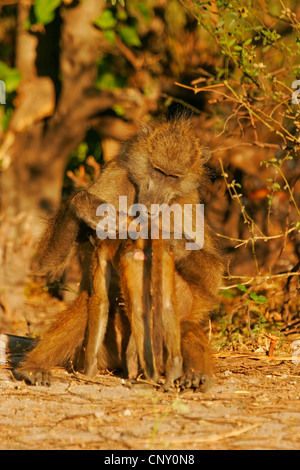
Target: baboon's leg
{"x": 165, "y": 315}
{"x": 132, "y": 360}
{"x": 200, "y": 273}
{"x": 194, "y": 311}
{"x": 135, "y": 284}
{"x": 196, "y": 355}
{"x": 98, "y": 307}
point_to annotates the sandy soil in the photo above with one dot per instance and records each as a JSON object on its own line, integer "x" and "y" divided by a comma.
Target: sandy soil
{"x": 253, "y": 404}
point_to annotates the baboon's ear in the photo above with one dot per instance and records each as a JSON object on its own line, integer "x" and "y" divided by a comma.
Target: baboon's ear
{"x": 205, "y": 154}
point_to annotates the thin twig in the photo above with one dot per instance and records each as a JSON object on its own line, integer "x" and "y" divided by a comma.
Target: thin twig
{"x": 225, "y": 355}
{"x": 214, "y": 437}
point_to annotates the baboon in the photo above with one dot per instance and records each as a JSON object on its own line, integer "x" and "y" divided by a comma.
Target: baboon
{"x": 163, "y": 164}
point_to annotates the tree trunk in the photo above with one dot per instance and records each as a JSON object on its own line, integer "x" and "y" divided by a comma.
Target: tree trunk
{"x": 57, "y": 101}
{"x": 44, "y": 129}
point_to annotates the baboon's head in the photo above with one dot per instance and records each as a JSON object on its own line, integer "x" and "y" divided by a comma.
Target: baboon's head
{"x": 165, "y": 161}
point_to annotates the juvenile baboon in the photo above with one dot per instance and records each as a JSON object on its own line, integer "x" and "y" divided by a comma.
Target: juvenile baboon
{"x": 163, "y": 164}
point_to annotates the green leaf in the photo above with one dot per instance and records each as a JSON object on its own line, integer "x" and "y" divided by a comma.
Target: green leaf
{"x": 44, "y": 10}
{"x": 82, "y": 151}
{"x": 109, "y": 81}
{"x": 10, "y": 76}
{"x": 114, "y": 2}
{"x": 242, "y": 288}
{"x": 260, "y": 299}
{"x": 168, "y": 102}
{"x": 12, "y": 81}
{"x": 119, "y": 109}
{"x": 266, "y": 48}
{"x": 110, "y": 35}
{"x": 276, "y": 187}
{"x": 130, "y": 36}
{"x": 144, "y": 10}
{"x": 106, "y": 20}
{"x": 6, "y": 118}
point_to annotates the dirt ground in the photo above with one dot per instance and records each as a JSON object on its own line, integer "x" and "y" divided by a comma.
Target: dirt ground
{"x": 253, "y": 404}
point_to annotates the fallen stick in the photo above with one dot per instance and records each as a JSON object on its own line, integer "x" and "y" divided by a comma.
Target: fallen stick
{"x": 252, "y": 356}
{"x": 213, "y": 437}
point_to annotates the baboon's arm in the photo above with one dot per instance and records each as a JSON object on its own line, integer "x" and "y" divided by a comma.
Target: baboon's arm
{"x": 165, "y": 322}
{"x": 60, "y": 237}
{"x": 78, "y": 214}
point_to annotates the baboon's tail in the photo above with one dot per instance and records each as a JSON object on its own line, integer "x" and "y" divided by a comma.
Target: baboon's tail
{"x": 61, "y": 341}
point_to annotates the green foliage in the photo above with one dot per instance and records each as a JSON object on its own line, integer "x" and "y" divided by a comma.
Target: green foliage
{"x": 130, "y": 36}
{"x": 44, "y": 10}
{"x": 10, "y": 76}
{"x": 119, "y": 109}
{"x": 108, "y": 78}
{"x": 116, "y": 21}
{"x": 249, "y": 52}
{"x": 242, "y": 38}
{"x": 259, "y": 299}
{"x": 121, "y": 2}
{"x": 228, "y": 294}
{"x": 252, "y": 50}
{"x": 91, "y": 145}
{"x": 106, "y": 20}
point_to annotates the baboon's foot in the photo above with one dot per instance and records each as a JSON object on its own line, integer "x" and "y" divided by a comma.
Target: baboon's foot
{"x": 173, "y": 373}
{"x": 195, "y": 380}
{"x": 34, "y": 376}
{"x": 91, "y": 368}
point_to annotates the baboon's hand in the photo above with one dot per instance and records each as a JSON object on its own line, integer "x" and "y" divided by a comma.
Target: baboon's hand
{"x": 84, "y": 205}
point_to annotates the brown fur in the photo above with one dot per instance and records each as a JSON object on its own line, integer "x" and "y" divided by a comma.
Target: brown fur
{"x": 65, "y": 342}
{"x": 143, "y": 279}
{"x": 53, "y": 348}
{"x": 163, "y": 164}
{"x": 165, "y": 315}
{"x": 147, "y": 279}
{"x": 166, "y": 163}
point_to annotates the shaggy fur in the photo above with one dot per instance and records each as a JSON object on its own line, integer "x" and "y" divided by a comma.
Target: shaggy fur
{"x": 164, "y": 163}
